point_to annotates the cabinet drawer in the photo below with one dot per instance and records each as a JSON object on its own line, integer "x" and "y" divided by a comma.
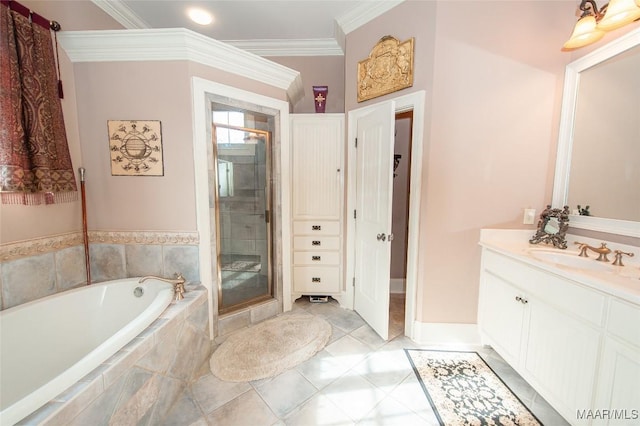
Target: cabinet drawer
{"x": 316, "y": 243}
{"x": 624, "y": 321}
{"x": 316, "y": 227}
{"x": 316, "y": 280}
{"x": 316, "y": 258}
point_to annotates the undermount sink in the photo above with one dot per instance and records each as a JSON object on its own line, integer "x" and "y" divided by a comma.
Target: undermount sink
{"x": 571, "y": 260}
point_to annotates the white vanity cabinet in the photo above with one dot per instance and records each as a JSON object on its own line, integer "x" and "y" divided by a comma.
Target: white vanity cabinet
{"x": 579, "y": 347}
{"x": 317, "y": 157}
{"x": 619, "y": 375}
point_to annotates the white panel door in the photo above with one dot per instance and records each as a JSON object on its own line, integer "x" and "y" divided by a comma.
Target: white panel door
{"x": 374, "y": 187}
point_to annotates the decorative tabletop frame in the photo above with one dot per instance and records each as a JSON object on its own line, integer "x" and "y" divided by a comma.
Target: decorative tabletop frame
{"x": 135, "y": 147}
{"x": 388, "y": 68}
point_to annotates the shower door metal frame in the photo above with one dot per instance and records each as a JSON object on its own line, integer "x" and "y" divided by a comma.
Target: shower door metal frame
{"x": 268, "y": 218}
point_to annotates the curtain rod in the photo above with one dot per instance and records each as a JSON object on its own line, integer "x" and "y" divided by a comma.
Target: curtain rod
{"x": 35, "y": 18}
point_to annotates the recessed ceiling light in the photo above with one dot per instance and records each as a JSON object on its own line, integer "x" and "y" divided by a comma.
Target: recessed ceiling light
{"x": 200, "y": 16}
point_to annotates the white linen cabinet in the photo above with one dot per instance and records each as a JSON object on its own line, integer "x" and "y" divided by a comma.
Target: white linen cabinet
{"x": 317, "y": 171}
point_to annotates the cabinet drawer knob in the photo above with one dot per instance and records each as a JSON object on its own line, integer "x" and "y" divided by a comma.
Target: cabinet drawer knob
{"x": 315, "y": 279}
{"x": 316, "y": 227}
{"x": 315, "y": 258}
{"x": 316, "y": 243}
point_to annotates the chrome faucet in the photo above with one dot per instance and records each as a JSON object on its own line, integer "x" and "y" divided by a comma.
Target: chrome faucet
{"x": 602, "y": 251}
{"x": 178, "y": 284}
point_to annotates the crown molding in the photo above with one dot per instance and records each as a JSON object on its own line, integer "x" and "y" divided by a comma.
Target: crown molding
{"x": 364, "y": 13}
{"x": 178, "y": 44}
{"x": 298, "y": 47}
{"x": 121, "y": 13}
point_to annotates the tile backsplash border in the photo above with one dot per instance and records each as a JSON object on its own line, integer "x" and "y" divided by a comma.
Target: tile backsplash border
{"x": 35, "y": 246}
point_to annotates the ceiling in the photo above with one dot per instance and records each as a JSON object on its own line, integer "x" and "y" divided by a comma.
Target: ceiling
{"x": 265, "y": 27}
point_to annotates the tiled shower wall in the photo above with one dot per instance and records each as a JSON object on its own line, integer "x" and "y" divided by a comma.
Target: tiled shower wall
{"x": 41, "y": 267}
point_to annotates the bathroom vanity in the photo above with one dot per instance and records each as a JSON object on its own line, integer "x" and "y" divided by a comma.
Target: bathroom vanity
{"x": 569, "y": 325}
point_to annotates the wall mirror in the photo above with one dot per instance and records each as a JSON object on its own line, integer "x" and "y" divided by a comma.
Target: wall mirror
{"x": 598, "y": 161}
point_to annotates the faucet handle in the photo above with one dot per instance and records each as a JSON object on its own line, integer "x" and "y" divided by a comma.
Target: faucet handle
{"x": 583, "y": 248}
{"x": 618, "y": 257}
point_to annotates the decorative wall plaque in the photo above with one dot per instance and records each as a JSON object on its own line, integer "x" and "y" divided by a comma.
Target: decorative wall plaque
{"x": 389, "y": 68}
{"x": 136, "y": 147}
{"x": 320, "y": 97}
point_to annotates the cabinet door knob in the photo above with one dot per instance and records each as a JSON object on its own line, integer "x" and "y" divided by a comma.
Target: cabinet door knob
{"x": 381, "y": 237}
{"x": 522, "y": 300}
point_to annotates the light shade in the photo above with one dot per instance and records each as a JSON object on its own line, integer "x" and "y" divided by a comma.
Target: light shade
{"x": 618, "y": 14}
{"x": 585, "y": 32}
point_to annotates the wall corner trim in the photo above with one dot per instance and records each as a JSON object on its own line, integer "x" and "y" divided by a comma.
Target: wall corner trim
{"x": 363, "y": 13}
{"x": 178, "y": 44}
{"x": 438, "y": 333}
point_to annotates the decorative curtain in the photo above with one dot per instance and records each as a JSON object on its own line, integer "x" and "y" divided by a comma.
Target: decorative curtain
{"x": 35, "y": 164}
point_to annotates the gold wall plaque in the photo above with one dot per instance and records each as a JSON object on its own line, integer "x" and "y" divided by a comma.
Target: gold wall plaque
{"x": 388, "y": 68}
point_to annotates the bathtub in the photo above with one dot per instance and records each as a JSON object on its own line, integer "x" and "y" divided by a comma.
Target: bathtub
{"x": 51, "y": 343}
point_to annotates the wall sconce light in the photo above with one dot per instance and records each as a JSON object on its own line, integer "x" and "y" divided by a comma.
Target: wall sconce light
{"x": 594, "y": 22}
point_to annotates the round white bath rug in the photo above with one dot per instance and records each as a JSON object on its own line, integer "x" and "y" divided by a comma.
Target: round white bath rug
{"x": 270, "y": 347}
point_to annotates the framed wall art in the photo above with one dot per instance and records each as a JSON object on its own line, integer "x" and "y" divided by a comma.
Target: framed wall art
{"x": 388, "y": 68}
{"x": 135, "y": 147}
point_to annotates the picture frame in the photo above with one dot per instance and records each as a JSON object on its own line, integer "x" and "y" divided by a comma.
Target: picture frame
{"x": 135, "y": 147}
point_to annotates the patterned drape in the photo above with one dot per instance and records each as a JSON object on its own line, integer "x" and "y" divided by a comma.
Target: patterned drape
{"x": 35, "y": 164}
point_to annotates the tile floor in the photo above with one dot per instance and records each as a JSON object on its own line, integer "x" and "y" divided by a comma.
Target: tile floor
{"x": 357, "y": 379}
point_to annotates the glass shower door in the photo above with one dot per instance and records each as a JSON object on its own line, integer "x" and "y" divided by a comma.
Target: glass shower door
{"x": 242, "y": 215}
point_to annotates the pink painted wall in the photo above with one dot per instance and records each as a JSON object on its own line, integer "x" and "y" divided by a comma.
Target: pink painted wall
{"x": 493, "y": 82}
{"x": 144, "y": 91}
{"x": 317, "y": 71}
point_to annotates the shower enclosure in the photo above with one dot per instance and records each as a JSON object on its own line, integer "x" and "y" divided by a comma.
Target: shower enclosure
{"x": 242, "y": 207}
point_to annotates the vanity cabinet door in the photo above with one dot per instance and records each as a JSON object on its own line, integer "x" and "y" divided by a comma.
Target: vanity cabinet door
{"x": 561, "y": 356}
{"x": 619, "y": 379}
{"x": 501, "y": 316}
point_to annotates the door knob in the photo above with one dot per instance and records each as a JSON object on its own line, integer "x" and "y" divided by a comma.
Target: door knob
{"x": 381, "y": 237}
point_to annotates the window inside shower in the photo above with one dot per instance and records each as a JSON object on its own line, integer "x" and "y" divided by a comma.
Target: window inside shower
{"x": 242, "y": 208}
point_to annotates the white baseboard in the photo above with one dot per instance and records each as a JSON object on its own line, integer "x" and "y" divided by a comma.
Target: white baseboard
{"x": 436, "y": 333}
{"x": 397, "y": 285}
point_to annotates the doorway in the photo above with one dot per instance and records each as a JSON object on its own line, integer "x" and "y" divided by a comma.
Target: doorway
{"x": 400, "y": 221}
{"x": 242, "y": 190}
{"x": 368, "y": 259}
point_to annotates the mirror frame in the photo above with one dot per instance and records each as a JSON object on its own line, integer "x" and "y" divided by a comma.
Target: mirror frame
{"x": 565, "y": 137}
{"x": 558, "y": 239}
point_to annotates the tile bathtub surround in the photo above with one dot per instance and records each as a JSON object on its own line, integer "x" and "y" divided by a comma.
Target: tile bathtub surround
{"x": 41, "y": 267}
{"x": 140, "y": 383}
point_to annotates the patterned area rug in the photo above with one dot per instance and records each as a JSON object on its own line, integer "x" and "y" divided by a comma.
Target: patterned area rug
{"x": 463, "y": 390}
